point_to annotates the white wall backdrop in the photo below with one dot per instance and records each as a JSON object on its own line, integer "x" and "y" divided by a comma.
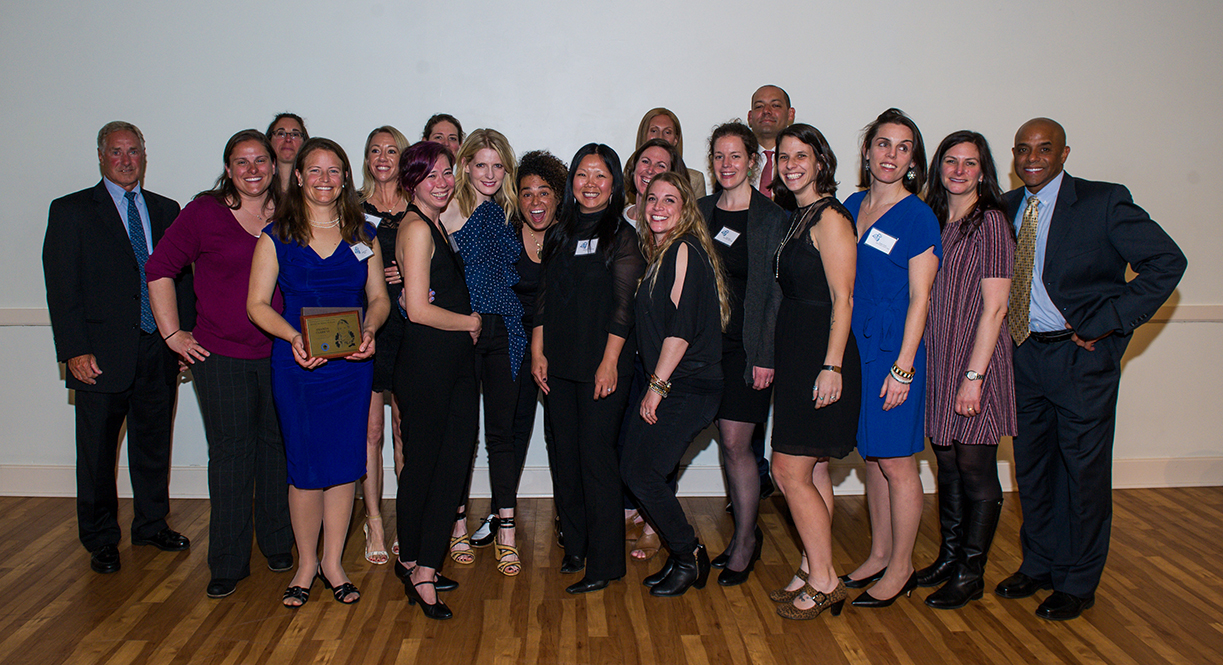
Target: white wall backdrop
{"x": 1134, "y": 83}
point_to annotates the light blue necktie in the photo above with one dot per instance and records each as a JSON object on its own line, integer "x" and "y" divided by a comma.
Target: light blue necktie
{"x": 135, "y": 230}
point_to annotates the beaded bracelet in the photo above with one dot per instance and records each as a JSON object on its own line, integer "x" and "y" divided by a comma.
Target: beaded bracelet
{"x": 901, "y": 375}
{"x": 662, "y": 388}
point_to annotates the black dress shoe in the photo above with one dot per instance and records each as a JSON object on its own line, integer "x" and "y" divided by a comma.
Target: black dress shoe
{"x": 1062, "y": 606}
{"x": 1020, "y": 586}
{"x": 166, "y": 540}
{"x": 105, "y": 559}
{"x": 280, "y": 563}
{"x": 572, "y": 563}
{"x": 851, "y": 583}
{"x": 586, "y": 585}
{"x": 732, "y": 577}
{"x": 443, "y": 583}
{"x": 219, "y": 588}
{"x": 867, "y": 600}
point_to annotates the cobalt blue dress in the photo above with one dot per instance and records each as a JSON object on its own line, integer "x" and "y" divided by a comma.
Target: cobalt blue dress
{"x": 881, "y": 301}
{"x": 323, "y": 412}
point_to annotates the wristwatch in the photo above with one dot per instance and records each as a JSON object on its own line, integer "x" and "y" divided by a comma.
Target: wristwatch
{"x": 973, "y": 376}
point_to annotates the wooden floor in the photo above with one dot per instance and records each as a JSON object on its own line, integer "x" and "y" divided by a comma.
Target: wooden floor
{"x": 1161, "y": 601}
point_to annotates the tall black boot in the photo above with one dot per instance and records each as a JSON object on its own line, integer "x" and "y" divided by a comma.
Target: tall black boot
{"x": 968, "y": 582}
{"x": 951, "y": 529}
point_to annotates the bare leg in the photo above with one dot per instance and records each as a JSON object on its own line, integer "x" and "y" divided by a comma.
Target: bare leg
{"x": 506, "y": 536}
{"x": 337, "y": 510}
{"x": 744, "y": 478}
{"x": 879, "y": 505}
{"x": 306, "y": 515}
{"x": 906, "y": 502}
{"x": 809, "y": 507}
{"x": 371, "y": 487}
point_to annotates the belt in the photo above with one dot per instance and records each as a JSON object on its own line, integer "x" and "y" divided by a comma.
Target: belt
{"x": 1051, "y": 337}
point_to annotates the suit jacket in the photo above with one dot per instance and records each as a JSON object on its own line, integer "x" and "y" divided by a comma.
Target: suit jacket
{"x": 1095, "y": 232}
{"x": 766, "y": 225}
{"x": 93, "y": 283}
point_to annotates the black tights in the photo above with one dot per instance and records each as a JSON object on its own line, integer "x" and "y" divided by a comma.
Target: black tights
{"x": 744, "y": 479}
{"x": 975, "y": 467}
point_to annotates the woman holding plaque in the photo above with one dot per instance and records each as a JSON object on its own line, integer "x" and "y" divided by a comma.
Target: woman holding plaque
{"x": 321, "y": 253}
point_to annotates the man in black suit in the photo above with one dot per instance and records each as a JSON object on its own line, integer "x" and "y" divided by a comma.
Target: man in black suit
{"x": 1071, "y": 315}
{"x": 93, "y": 260}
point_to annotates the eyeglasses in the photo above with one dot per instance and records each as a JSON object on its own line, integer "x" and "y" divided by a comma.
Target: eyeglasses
{"x": 282, "y": 135}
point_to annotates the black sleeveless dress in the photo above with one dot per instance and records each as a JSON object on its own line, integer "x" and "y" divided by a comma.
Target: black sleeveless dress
{"x": 801, "y": 344}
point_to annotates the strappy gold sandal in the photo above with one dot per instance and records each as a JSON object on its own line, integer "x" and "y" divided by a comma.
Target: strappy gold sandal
{"x": 464, "y": 556}
{"x": 507, "y": 568}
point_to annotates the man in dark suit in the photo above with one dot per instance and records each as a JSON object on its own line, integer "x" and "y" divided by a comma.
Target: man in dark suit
{"x": 93, "y": 260}
{"x": 1071, "y": 315}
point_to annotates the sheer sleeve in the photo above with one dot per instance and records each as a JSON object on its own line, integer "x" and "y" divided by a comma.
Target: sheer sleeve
{"x": 628, "y": 264}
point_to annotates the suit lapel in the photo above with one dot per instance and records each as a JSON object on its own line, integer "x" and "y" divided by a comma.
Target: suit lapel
{"x": 1063, "y": 219}
{"x": 110, "y": 224}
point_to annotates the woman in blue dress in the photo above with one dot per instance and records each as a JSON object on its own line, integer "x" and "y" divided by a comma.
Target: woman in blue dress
{"x": 898, "y": 255}
{"x": 321, "y": 253}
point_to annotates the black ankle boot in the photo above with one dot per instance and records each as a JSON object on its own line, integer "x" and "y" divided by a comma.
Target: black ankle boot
{"x": 687, "y": 569}
{"x": 653, "y": 580}
{"x": 951, "y": 529}
{"x": 968, "y": 581}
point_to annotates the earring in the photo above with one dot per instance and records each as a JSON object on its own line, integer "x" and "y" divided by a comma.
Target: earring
{"x": 910, "y": 175}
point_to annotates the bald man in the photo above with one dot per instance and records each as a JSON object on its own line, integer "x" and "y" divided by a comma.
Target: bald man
{"x": 770, "y": 113}
{"x": 1071, "y": 323}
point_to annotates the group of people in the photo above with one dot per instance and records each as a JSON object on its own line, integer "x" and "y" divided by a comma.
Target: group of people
{"x": 926, "y": 304}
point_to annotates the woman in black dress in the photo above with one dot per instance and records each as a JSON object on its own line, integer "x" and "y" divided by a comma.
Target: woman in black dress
{"x": 818, "y": 378}
{"x": 438, "y": 385}
{"x": 582, "y": 358}
{"x": 746, "y": 228}
{"x": 681, "y": 308}
{"x": 384, "y": 204}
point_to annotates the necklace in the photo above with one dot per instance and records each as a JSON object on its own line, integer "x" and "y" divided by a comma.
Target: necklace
{"x": 799, "y": 218}
{"x": 539, "y": 249}
{"x": 326, "y": 225}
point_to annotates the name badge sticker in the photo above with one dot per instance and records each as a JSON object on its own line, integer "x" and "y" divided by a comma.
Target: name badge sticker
{"x": 880, "y": 241}
{"x": 362, "y": 251}
{"x": 373, "y": 219}
{"x": 727, "y": 236}
{"x": 586, "y": 247}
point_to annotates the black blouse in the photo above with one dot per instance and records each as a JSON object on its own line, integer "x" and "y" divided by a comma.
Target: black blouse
{"x": 696, "y": 320}
{"x": 581, "y": 301}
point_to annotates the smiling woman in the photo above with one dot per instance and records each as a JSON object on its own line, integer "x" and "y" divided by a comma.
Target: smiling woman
{"x": 229, "y": 359}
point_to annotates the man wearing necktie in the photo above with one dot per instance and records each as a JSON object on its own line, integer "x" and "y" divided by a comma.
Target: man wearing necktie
{"x": 771, "y": 112}
{"x": 97, "y": 243}
{"x": 1071, "y": 315}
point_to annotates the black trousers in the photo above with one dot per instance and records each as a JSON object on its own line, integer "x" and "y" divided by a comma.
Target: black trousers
{"x": 1067, "y": 406}
{"x": 435, "y": 378}
{"x": 587, "y": 473}
{"x": 524, "y": 421}
{"x": 652, "y": 454}
{"x": 148, "y": 407}
{"x": 246, "y": 458}
{"x": 501, "y": 394}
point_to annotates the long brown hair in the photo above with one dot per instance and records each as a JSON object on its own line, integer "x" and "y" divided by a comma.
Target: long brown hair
{"x": 294, "y": 222}
{"x": 691, "y": 222}
{"x": 224, "y": 191}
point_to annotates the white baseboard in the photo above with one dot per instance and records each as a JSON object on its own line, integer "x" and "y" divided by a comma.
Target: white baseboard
{"x": 703, "y": 480}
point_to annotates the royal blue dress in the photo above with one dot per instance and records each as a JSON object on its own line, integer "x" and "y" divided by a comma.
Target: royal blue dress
{"x": 881, "y": 301}
{"x": 323, "y": 412}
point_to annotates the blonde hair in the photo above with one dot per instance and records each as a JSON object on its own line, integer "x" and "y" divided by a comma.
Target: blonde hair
{"x": 367, "y": 176}
{"x": 691, "y": 222}
{"x": 643, "y": 129}
{"x": 464, "y": 191}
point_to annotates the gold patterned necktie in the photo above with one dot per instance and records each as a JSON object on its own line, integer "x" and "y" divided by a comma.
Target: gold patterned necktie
{"x": 1021, "y": 284}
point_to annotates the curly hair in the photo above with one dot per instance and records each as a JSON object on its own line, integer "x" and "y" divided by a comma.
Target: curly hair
{"x": 545, "y": 166}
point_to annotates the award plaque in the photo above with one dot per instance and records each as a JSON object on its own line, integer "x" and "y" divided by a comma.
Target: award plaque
{"x": 331, "y": 332}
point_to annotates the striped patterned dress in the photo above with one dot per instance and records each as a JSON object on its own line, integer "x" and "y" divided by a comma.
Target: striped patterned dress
{"x": 955, "y": 308}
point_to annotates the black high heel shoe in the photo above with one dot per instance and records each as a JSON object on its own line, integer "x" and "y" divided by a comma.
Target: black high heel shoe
{"x": 851, "y": 583}
{"x": 436, "y": 610}
{"x": 441, "y": 583}
{"x": 867, "y": 600}
{"x": 722, "y": 559}
{"x": 732, "y": 577}
{"x": 340, "y": 591}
